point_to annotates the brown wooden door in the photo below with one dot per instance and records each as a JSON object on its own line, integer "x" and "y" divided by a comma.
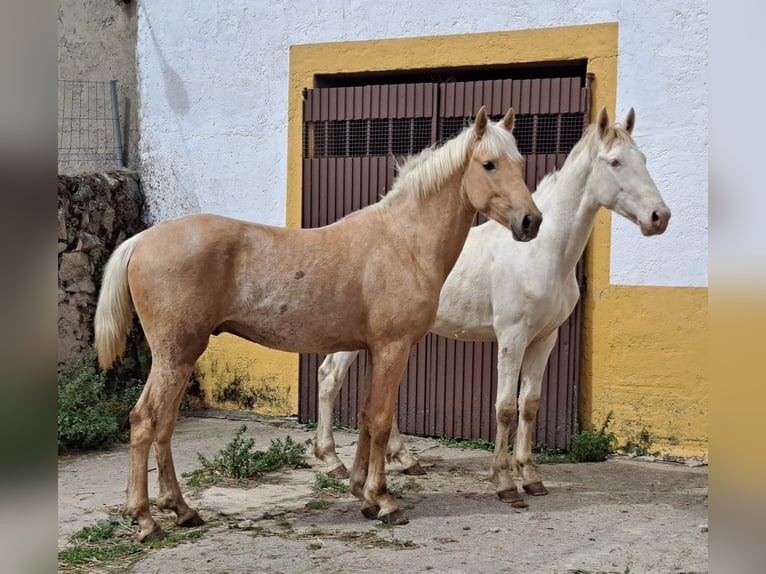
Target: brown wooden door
{"x": 351, "y": 140}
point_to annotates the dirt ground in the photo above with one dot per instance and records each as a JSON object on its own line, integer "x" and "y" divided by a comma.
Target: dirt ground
{"x": 620, "y": 516}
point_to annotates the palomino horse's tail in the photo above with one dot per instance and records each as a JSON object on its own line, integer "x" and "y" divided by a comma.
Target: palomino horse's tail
{"x": 114, "y": 312}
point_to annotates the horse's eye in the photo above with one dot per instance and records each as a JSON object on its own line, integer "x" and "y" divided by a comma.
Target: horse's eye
{"x": 615, "y": 163}
{"x": 488, "y": 165}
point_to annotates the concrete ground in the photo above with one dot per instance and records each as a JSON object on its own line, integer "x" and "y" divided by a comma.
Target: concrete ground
{"x": 619, "y": 516}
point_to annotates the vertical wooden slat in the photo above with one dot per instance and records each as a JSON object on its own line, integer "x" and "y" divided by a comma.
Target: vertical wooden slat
{"x": 316, "y": 186}
{"x": 448, "y": 400}
{"x": 366, "y": 102}
{"x": 555, "y": 95}
{"x": 447, "y": 105}
{"x": 401, "y": 101}
{"x": 315, "y": 113}
{"x": 324, "y": 190}
{"x": 409, "y": 99}
{"x": 497, "y": 98}
{"x": 566, "y": 86}
{"x": 460, "y": 100}
{"x": 469, "y": 107}
{"x": 331, "y": 189}
{"x": 534, "y": 96}
{"x": 516, "y": 96}
{"x": 428, "y": 100}
{"x": 340, "y": 188}
{"x": 348, "y": 188}
{"x": 384, "y": 99}
{"x": 505, "y": 101}
{"x": 375, "y": 102}
{"x": 356, "y": 183}
{"x": 324, "y": 104}
{"x": 526, "y": 96}
{"x": 358, "y": 102}
{"x": 545, "y": 96}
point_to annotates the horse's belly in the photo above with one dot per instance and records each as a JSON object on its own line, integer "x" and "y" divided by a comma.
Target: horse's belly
{"x": 463, "y": 332}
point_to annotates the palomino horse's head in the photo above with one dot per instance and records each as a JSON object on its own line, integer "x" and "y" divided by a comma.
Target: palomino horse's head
{"x": 619, "y": 177}
{"x": 493, "y": 182}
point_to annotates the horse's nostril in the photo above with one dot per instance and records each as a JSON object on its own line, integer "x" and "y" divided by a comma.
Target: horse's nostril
{"x": 526, "y": 223}
{"x": 655, "y": 216}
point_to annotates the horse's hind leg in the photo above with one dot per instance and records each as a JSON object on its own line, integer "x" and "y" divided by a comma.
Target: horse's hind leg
{"x": 397, "y": 452}
{"x": 532, "y": 370}
{"x": 141, "y": 437}
{"x": 170, "y": 497}
{"x": 332, "y": 374}
{"x": 152, "y": 420}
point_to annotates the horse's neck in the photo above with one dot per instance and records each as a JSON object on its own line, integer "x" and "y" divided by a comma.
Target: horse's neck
{"x": 570, "y": 210}
{"x": 441, "y": 225}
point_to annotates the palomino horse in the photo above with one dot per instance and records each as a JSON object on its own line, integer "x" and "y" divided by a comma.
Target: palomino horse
{"x": 519, "y": 294}
{"x": 369, "y": 281}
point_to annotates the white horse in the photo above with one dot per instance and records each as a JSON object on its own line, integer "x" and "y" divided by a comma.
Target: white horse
{"x": 520, "y": 293}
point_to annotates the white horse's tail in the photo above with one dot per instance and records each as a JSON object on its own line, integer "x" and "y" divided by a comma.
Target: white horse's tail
{"x": 114, "y": 312}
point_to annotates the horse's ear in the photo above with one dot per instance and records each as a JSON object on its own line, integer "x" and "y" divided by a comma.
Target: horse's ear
{"x": 630, "y": 121}
{"x": 480, "y": 126}
{"x": 602, "y": 122}
{"x": 509, "y": 120}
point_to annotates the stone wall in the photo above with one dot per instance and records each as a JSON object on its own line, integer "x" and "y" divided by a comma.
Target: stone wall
{"x": 96, "y": 212}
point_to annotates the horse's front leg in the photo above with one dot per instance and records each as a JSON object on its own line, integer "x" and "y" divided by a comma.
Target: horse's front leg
{"x": 532, "y": 370}
{"x": 368, "y": 478}
{"x": 508, "y": 362}
{"x": 332, "y": 374}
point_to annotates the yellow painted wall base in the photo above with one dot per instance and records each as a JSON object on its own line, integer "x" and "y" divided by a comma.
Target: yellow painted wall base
{"x": 648, "y": 365}
{"x": 236, "y": 374}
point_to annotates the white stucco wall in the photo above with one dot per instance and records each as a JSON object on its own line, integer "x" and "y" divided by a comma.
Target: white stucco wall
{"x": 213, "y": 84}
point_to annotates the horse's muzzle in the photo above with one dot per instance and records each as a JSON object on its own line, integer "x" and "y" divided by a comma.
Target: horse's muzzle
{"x": 657, "y": 222}
{"x": 526, "y": 227}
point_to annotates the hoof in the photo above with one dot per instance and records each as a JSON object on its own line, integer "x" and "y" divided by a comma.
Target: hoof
{"x": 513, "y": 498}
{"x": 154, "y": 535}
{"x": 338, "y": 472}
{"x": 414, "y": 470}
{"x": 395, "y": 518}
{"x": 192, "y": 521}
{"x": 535, "y": 489}
{"x": 370, "y": 512}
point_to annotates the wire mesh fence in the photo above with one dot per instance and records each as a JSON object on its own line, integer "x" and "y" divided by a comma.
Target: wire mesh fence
{"x": 88, "y": 125}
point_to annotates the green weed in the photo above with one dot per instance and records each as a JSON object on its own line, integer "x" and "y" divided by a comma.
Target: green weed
{"x": 593, "y": 445}
{"x": 239, "y": 459}
{"x": 476, "y": 443}
{"x": 325, "y": 482}
{"x": 109, "y": 541}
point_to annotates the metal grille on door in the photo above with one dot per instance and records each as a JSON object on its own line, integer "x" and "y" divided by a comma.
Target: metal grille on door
{"x": 352, "y": 139}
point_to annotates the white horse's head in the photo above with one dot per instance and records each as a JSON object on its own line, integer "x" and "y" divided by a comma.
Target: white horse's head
{"x": 619, "y": 178}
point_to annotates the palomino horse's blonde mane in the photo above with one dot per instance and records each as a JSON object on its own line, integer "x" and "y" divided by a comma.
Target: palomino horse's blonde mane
{"x": 426, "y": 172}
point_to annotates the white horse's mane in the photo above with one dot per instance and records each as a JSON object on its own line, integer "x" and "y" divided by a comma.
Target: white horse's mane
{"x": 425, "y": 172}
